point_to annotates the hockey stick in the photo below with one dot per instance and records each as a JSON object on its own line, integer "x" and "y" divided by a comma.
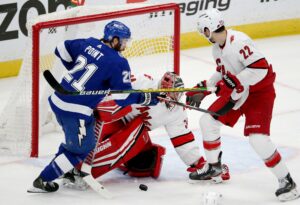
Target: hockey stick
{"x": 93, "y": 183}
{"x": 58, "y": 88}
{"x": 189, "y": 106}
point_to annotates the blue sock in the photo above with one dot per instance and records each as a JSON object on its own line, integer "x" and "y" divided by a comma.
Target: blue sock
{"x": 63, "y": 162}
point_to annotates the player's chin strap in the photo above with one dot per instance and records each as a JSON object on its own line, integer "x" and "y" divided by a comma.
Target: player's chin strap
{"x": 187, "y": 106}
{"x": 61, "y": 90}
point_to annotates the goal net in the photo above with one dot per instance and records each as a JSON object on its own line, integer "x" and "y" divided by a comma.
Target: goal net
{"x": 154, "y": 50}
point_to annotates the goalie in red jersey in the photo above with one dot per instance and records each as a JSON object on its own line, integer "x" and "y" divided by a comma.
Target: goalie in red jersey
{"x": 123, "y": 135}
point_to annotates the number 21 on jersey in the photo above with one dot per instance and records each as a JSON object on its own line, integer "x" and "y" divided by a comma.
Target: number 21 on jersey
{"x": 81, "y": 64}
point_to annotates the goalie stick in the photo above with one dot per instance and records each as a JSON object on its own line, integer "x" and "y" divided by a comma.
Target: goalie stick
{"x": 188, "y": 106}
{"x": 93, "y": 183}
{"x": 58, "y": 88}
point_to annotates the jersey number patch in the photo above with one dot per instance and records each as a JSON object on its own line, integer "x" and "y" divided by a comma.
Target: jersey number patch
{"x": 246, "y": 52}
{"x": 126, "y": 76}
{"x": 81, "y": 64}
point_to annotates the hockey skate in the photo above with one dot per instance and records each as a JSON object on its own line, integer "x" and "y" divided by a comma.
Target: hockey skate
{"x": 209, "y": 172}
{"x": 40, "y": 186}
{"x": 287, "y": 189}
{"x": 74, "y": 180}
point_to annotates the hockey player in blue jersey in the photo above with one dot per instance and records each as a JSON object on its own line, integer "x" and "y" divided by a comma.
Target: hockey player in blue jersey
{"x": 92, "y": 64}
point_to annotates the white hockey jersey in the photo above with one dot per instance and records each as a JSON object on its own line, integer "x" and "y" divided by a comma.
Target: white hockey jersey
{"x": 240, "y": 57}
{"x": 174, "y": 120}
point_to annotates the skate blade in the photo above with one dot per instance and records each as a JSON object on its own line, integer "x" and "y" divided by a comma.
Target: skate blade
{"x": 71, "y": 185}
{"x": 204, "y": 182}
{"x": 36, "y": 190}
{"x": 217, "y": 180}
{"x": 293, "y": 194}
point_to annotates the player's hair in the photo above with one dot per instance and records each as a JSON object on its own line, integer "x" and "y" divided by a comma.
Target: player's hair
{"x": 117, "y": 48}
{"x": 107, "y": 41}
{"x": 221, "y": 29}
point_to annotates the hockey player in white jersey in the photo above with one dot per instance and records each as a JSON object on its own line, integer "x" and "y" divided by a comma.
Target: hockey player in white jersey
{"x": 124, "y": 142}
{"x": 244, "y": 81}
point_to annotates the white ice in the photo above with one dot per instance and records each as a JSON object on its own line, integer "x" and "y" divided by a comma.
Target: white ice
{"x": 250, "y": 183}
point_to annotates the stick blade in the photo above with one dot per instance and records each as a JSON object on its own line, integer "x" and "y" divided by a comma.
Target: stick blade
{"x": 93, "y": 183}
{"x": 97, "y": 187}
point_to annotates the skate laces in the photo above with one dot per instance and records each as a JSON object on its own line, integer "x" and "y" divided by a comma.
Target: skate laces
{"x": 51, "y": 184}
{"x": 76, "y": 172}
{"x": 225, "y": 168}
{"x": 283, "y": 182}
{"x": 204, "y": 169}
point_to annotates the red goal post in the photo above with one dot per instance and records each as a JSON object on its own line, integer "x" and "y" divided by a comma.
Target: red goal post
{"x": 36, "y": 29}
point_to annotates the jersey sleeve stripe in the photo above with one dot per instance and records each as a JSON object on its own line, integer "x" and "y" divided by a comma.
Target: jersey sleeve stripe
{"x": 259, "y": 64}
{"x": 71, "y": 107}
{"x": 63, "y": 52}
{"x": 122, "y": 96}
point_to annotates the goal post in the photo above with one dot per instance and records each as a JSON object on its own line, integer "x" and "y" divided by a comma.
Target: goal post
{"x": 162, "y": 40}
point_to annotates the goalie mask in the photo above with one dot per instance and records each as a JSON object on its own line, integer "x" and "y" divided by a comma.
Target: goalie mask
{"x": 171, "y": 80}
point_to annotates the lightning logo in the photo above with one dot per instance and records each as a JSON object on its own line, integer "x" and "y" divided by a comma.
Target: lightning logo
{"x": 82, "y": 131}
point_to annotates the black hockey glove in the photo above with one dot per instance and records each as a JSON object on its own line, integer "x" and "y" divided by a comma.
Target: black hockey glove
{"x": 195, "y": 98}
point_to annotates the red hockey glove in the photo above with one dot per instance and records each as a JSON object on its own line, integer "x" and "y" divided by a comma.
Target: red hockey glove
{"x": 227, "y": 84}
{"x": 222, "y": 105}
{"x": 195, "y": 98}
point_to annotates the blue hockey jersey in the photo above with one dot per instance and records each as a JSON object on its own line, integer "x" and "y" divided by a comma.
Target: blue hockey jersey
{"x": 91, "y": 65}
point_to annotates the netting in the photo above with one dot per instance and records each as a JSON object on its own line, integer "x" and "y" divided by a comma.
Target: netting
{"x": 151, "y": 52}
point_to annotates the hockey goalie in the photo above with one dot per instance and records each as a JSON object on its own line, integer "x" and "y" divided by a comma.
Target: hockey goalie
{"x": 123, "y": 139}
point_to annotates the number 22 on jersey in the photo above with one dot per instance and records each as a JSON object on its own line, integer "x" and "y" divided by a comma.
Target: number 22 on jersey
{"x": 81, "y": 64}
{"x": 246, "y": 52}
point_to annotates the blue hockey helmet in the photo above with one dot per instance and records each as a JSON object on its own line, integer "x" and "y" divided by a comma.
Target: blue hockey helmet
{"x": 116, "y": 29}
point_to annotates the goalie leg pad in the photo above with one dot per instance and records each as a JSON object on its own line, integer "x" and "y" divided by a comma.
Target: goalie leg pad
{"x": 148, "y": 163}
{"x": 104, "y": 130}
{"x": 120, "y": 147}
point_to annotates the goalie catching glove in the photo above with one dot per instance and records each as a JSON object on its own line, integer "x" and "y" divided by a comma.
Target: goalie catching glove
{"x": 194, "y": 98}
